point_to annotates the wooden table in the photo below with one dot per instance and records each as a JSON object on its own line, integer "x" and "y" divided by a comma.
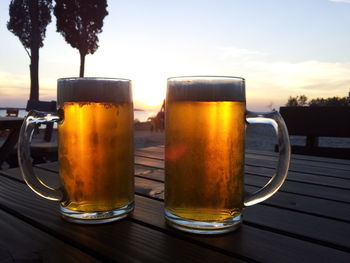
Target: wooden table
{"x": 14, "y": 125}
{"x": 308, "y": 220}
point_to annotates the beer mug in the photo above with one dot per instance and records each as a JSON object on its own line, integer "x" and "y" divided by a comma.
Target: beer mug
{"x": 95, "y": 150}
{"x": 205, "y": 126}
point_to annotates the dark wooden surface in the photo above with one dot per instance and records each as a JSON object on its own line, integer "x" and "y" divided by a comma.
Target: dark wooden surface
{"x": 308, "y": 220}
{"x": 315, "y": 122}
{"x": 42, "y": 149}
{"x": 13, "y": 125}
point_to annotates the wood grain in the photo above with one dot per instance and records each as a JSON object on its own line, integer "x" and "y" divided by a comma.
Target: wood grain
{"x": 158, "y": 152}
{"x": 248, "y": 240}
{"x": 296, "y": 156}
{"x": 308, "y": 219}
{"x": 21, "y": 242}
{"x": 283, "y": 199}
{"x": 269, "y": 217}
{"x": 123, "y": 241}
{"x": 146, "y": 236}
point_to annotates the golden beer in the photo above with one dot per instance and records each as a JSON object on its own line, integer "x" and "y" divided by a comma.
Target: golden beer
{"x": 204, "y": 153}
{"x": 95, "y": 149}
{"x": 204, "y": 159}
{"x": 96, "y": 155}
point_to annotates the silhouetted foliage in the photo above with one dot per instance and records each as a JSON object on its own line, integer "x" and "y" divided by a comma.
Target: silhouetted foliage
{"x": 28, "y": 21}
{"x": 333, "y": 101}
{"x": 297, "y": 101}
{"x": 79, "y": 22}
{"x": 302, "y": 101}
{"x": 292, "y": 102}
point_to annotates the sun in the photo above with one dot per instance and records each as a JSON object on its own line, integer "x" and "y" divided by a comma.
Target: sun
{"x": 149, "y": 95}
{"x": 148, "y": 99}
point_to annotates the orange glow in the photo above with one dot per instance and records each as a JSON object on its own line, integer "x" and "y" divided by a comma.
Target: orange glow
{"x": 96, "y": 155}
{"x": 175, "y": 152}
{"x": 147, "y": 106}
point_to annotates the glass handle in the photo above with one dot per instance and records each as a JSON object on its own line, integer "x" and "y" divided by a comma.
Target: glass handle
{"x": 276, "y": 121}
{"x": 33, "y": 120}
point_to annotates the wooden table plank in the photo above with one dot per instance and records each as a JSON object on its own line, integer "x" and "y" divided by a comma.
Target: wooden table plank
{"x": 157, "y": 162}
{"x": 279, "y": 220}
{"x": 312, "y": 190}
{"x": 306, "y": 204}
{"x": 307, "y": 227}
{"x": 149, "y": 153}
{"x": 305, "y": 189}
{"x": 305, "y": 218}
{"x": 325, "y": 160}
{"x": 248, "y": 240}
{"x": 302, "y": 222}
{"x": 158, "y": 152}
{"x": 319, "y": 162}
{"x": 283, "y": 199}
{"x": 13, "y": 124}
{"x": 21, "y": 242}
{"x": 150, "y": 173}
{"x": 294, "y": 167}
{"x": 247, "y": 243}
{"x": 268, "y": 172}
{"x": 298, "y": 161}
{"x": 324, "y": 180}
{"x": 122, "y": 241}
{"x": 302, "y": 178}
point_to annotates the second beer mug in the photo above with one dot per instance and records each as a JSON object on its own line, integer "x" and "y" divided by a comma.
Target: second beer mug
{"x": 95, "y": 149}
{"x": 204, "y": 154}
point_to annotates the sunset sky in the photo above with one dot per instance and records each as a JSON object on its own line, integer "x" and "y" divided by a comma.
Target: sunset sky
{"x": 281, "y": 48}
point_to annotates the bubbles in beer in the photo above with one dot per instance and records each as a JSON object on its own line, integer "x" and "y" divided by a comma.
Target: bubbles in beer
{"x": 96, "y": 155}
{"x": 204, "y": 159}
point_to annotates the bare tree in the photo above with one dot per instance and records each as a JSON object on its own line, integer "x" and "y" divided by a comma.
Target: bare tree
{"x": 28, "y": 21}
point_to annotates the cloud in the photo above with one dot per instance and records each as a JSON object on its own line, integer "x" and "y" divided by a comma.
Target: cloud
{"x": 15, "y": 88}
{"x": 242, "y": 53}
{"x": 313, "y": 75}
{"x": 270, "y": 80}
{"x": 340, "y": 1}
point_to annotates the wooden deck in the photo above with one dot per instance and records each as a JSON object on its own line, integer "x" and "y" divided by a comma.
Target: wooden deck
{"x": 11, "y": 126}
{"x": 308, "y": 220}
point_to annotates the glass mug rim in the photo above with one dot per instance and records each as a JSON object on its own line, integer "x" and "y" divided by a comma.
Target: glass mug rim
{"x": 94, "y": 89}
{"x": 93, "y": 79}
{"x": 204, "y": 78}
{"x": 205, "y": 88}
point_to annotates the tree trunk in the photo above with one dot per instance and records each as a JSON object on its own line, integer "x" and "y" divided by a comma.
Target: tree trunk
{"x": 34, "y": 73}
{"x": 34, "y": 50}
{"x": 82, "y": 64}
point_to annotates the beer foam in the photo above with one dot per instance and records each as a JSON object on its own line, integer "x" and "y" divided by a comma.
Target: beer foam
{"x": 206, "y": 88}
{"x": 93, "y": 90}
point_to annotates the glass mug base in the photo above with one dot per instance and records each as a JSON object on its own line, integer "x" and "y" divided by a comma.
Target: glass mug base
{"x": 96, "y": 217}
{"x": 203, "y": 227}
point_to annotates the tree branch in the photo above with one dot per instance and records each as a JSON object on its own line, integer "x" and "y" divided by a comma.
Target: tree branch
{"x": 27, "y": 52}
